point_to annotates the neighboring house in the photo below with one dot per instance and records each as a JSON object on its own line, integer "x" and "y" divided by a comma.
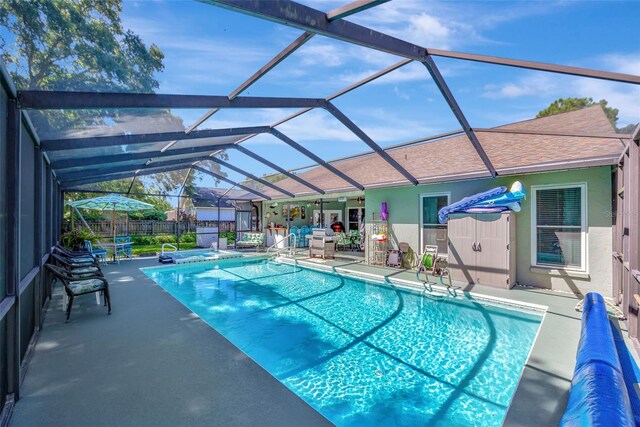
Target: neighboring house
{"x": 171, "y": 215}
{"x": 568, "y": 179}
{"x": 213, "y": 206}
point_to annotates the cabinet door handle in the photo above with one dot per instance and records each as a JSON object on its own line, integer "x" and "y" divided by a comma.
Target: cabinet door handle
{"x": 474, "y": 247}
{"x": 479, "y": 247}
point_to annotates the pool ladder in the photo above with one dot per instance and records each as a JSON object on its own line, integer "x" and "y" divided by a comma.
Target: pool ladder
{"x": 284, "y": 239}
{"x": 170, "y": 245}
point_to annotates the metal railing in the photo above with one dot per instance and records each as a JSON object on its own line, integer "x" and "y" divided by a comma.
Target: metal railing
{"x": 284, "y": 239}
{"x": 170, "y": 245}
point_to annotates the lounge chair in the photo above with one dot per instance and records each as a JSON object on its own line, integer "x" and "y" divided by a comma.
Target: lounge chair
{"x": 75, "y": 286}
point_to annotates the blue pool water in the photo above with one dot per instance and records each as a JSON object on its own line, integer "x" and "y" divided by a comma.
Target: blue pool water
{"x": 362, "y": 353}
{"x": 192, "y": 253}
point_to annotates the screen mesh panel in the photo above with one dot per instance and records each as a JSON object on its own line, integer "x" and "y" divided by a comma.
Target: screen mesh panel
{"x": 27, "y": 204}
{"x": 3, "y": 189}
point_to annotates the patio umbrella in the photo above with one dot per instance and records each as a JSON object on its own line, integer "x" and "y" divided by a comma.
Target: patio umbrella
{"x": 113, "y": 202}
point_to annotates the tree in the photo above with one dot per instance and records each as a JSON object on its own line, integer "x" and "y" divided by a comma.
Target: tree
{"x": 628, "y": 128}
{"x": 81, "y": 45}
{"x": 562, "y": 105}
{"x": 76, "y": 45}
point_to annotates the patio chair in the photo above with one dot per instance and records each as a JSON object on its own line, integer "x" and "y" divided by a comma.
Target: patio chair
{"x": 101, "y": 254}
{"x": 341, "y": 239}
{"x": 75, "y": 287}
{"x": 354, "y": 235}
{"x": 69, "y": 253}
{"x": 304, "y": 230}
{"x": 296, "y": 232}
{"x": 408, "y": 256}
{"x": 394, "y": 258}
{"x": 76, "y": 258}
{"x": 77, "y": 270}
{"x": 126, "y": 249}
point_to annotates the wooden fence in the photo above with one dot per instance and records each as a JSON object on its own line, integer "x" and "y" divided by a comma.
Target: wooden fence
{"x": 149, "y": 228}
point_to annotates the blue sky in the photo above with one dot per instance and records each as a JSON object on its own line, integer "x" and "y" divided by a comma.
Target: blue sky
{"x": 209, "y": 50}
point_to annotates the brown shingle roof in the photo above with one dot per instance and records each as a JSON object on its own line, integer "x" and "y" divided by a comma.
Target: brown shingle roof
{"x": 455, "y": 157}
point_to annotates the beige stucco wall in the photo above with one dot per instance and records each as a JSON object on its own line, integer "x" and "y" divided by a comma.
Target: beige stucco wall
{"x": 404, "y": 218}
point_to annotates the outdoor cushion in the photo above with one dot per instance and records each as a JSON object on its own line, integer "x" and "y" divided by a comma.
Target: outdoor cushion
{"x": 83, "y": 286}
{"x": 81, "y": 260}
{"x": 85, "y": 270}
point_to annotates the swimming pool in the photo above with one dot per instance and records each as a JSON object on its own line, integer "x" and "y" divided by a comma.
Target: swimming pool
{"x": 363, "y": 353}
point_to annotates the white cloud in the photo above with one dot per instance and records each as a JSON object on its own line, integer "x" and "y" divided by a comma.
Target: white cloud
{"x": 622, "y": 96}
{"x": 323, "y": 54}
{"x": 530, "y": 85}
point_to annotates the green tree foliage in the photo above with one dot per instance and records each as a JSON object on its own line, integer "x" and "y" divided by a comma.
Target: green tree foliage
{"x": 81, "y": 45}
{"x": 628, "y": 128}
{"x": 563, "y": 105}
{"x": 76, "y": 45}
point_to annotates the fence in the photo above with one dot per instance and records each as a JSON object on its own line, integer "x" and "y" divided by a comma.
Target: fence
{"x": 104, "y": 228}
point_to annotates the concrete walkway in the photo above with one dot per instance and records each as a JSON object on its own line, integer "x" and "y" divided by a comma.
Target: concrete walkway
{"x": 154, "y": 363}
{"x": 150, "y": 363}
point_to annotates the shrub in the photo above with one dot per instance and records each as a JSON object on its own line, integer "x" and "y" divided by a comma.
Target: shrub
{"x": 144, "y": 240}
{"x": 166, "y": 238}
{"x": 188, "y": 237}
{"x": 230, "y": 235}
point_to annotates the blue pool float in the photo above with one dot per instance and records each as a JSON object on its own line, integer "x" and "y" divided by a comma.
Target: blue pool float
{"x": 515, "y": 194}
{"x": 492, "y": 201}
{"x": 468, "y": 202}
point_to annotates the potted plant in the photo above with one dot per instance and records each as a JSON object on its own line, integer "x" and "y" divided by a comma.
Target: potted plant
{"x": 74, "y": 239}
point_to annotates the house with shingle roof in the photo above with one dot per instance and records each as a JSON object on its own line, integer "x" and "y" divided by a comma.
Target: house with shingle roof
{"x": 564, "y": 161}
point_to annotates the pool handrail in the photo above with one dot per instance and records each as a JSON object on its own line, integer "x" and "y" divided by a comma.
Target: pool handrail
{"x": 284, "y": 239}
{"x": 170, "y": 245}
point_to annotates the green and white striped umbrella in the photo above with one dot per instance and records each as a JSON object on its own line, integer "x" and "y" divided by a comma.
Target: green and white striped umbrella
{"x": 114, "y": 202}
{"x": 110, "y": 202}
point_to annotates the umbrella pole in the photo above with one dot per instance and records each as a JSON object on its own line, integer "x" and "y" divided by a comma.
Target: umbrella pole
{"x": 115, "y": 249}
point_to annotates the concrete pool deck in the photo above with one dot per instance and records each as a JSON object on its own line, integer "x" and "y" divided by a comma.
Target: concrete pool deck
{"x": 153, "y": 362}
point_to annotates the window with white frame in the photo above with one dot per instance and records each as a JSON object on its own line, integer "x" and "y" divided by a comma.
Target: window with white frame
{"x": 559, "y": 226}
{"x": 431, "y": 231}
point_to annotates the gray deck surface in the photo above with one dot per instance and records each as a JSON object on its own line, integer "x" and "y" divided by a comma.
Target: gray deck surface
{"x": 154, "y": 363}
{"x": 150, "y": 363}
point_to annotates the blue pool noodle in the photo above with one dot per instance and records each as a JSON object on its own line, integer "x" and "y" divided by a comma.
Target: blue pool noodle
{"x": 598, "y": 395}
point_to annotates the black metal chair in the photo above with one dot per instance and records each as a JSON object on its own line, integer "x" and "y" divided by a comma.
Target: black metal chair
{"x": 75, "y": 286}
{"x": 76, "y": 258}
{"x": 75, "y": 269}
